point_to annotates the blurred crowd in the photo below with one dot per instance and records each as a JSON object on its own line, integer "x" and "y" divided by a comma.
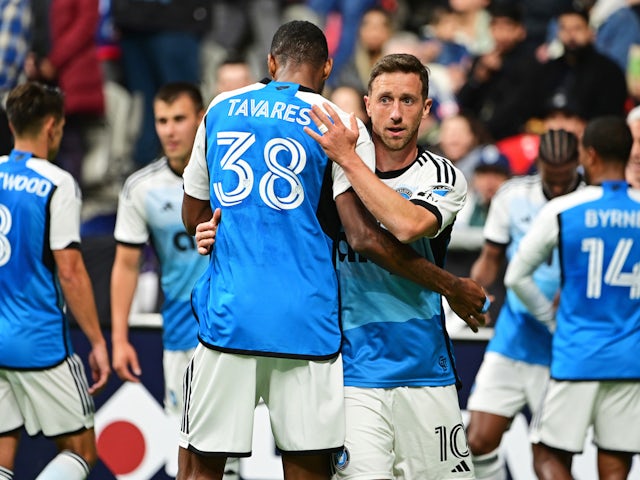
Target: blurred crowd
{"x": 502, "y": 73}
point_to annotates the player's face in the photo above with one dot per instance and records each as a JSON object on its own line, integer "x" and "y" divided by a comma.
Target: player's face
{"x": 396, "y": 108}
{"x": 558, "y": 179}
{"x": 176, "y": 125}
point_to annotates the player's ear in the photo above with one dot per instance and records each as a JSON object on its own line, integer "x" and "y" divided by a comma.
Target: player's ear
{"x": 328, "y": 66}
{"x": 272, "y": 65}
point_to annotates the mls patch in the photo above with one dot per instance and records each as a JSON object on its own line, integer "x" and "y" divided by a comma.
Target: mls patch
{"x": 341, "y": 459}
{"x": 441, "y": 190}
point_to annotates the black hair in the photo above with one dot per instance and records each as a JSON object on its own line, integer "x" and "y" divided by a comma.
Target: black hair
{"x": 404, "y": 63}
{"x": 610, "y": 137}
{"x": 558, "y": 147}
{"x": 29, "y": 104}
{"x": 169, "y": 92}
{"x": 300, "y": 42}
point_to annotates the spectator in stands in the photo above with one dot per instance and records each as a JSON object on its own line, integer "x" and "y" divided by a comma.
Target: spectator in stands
{"x": 618, "y": 32}
{"x": 633, "y": 167}
{"x": 160, "y": 43}
{"x": 351, "y": 20}
{"x": 15, "y": 25}
{"x": 72, "y": 63}
{"x": 501, "y": 84}
{"x": 232, "y": 73}
{"x": 472, "y": 25}
{"x": 585, "y": 79}
{"x": 351, "y": 100}
{"x": 374, "y": 31}
{"x": 461, "y": 137}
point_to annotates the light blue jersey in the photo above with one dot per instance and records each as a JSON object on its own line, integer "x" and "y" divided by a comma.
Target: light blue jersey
{"x": 149, "y": 209}
{"x": 597, "y": 230}
{"x": 39, "y": 212}
{"x": 394, "y": 330}
{"x": 517, "y": 334}
{"x": 271, "y": 287}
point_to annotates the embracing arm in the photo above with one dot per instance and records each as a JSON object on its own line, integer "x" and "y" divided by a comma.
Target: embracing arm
{"x": 195, "y": 211}
{"x": 465, "y": 297}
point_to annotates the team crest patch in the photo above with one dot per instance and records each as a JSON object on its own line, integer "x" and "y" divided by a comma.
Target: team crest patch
{"x": 341, "y": 459}
{"x": 441, "y": 190}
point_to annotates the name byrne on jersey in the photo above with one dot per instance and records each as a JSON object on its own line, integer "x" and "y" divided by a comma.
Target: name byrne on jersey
{"x": 611, "y": 218}
{"x": 21, "y": 183}
{"x": 263, "y": 108}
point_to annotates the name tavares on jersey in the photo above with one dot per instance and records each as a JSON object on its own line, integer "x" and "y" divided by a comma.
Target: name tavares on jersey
{"x": 263, "y": 108}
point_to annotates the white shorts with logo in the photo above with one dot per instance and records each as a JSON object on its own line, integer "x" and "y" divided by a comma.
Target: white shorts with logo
{"x": 221, "y": 391}
{"x": 503, "y": 386}
{"x": 569, "y": 408}
{"x": 174, "y": 363}
{"x": 53, "y": 401}
{"x": 403, "y": 433}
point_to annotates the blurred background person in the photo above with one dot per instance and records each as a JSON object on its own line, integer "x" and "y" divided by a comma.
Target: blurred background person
{"x": 633, "y": 167}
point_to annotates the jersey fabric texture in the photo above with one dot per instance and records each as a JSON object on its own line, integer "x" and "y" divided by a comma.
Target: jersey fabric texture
{"x": 270, "y": 288}
{"x": 517, "y": 334}
{"x": 39, "y": 212}
{"x": 394, "y": 330}
{"x": 149, "y": 209}
{"x": 598, "y": 317}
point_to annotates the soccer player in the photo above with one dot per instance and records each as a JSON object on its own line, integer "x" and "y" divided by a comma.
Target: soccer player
{"x": 594, "y": 364}
{"x": 268, "y": 307}
{"x": 43, "y": 386}
{"x": 402, "y": 411}
{"x": 149, "y": 212}
{"x": 515, "y": 367}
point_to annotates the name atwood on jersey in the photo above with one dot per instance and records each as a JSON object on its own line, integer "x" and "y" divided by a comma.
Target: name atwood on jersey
{"x": 19, "y": 183}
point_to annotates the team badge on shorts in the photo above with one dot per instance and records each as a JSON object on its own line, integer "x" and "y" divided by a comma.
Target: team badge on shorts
{"x": 341, "y": 459}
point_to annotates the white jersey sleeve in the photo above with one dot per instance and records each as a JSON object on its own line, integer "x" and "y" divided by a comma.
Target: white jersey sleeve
{"x": 534, "y": 249}
{"x": 497, "y": 224}
{"x": 66, "y": 203}
{"x": 196, "y": 173}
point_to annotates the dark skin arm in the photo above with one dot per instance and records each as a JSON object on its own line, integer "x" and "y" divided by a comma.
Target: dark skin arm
{"x": 486, "y": 268}
{"x": 195, "y": 211}
{"x": 466, "y": 298}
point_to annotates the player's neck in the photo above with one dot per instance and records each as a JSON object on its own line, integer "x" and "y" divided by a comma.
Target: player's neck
{"x": 37, "y": 146}
{"x": 390, "y": 160}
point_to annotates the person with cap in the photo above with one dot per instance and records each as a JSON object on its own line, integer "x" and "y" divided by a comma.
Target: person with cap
{"x": 633, "y": 167}
{"x": 515, "y": 367}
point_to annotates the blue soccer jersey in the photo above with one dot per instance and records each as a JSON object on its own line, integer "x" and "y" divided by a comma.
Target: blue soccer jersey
{"x": 394, "y": 330}
{"x": 149, "y": 209}
{"x": 517, "y": 334}
{"x": 270, "y": 288}
{"x": 39, "y": 212}
{"x": 598, "y": 317}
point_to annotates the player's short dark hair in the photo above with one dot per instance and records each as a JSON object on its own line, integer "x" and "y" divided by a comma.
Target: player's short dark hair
{"x": 558, "y": 147}
{"x": 610, "y": 137}
{"x": 169, "y": 92}
{"x": 29, "y": 104}
{"x": 404, "y": 63}
{"x": 300, "y": 42}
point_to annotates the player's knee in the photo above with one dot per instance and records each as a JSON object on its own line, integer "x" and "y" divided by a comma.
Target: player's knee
{"x": 480, "y": 443}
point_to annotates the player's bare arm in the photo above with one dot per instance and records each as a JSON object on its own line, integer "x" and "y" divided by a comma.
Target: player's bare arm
{"x": 195, "y": 211}
{"x": 78, "y": 293}
{"x": 124, "y": 279}
{"x": 405, "y": 220}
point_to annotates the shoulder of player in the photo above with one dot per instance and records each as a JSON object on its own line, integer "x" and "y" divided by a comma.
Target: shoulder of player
{"x": 441, "y": 168}
{"x": 566, "y": 202}
{"x": 146, "y": 175}
{"x": 51, "y": 172}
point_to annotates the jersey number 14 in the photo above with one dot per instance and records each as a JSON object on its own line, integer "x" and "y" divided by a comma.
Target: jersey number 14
{"x": 614, "y": 276}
